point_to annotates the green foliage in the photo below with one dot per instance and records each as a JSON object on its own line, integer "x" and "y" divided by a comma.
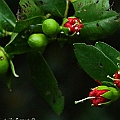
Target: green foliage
{"x": 45, "y": 82}
{"x": 30, "y": 8}
{"x": 98, "y": 18}
{"x": 55, "y": 7}
{"x": 97, "y": 60}
{"x": 7, "y": 18}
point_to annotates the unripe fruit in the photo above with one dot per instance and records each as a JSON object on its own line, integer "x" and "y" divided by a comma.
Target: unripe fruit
{"x": 50, "y": 27}
{"x": 4, "y": 63}
{"x": 37, "y": 40}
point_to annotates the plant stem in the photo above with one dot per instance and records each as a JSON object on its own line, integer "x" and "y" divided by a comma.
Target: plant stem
{"x": 67, "y": 7}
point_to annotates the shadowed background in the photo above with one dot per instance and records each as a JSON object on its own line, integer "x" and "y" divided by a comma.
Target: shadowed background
{"x": 25, "y": 101}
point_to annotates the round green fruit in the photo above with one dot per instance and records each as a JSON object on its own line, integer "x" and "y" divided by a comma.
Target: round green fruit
{"x": 4, "y": 62}
{"x": 37, "y": 40}
{"x": 50, "y": 27}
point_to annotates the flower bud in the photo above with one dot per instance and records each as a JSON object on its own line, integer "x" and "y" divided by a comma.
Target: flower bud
{"x": 73, "y": 24}
{"x": 102, "y": 95}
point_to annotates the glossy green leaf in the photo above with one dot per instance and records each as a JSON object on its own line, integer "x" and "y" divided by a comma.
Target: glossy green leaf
{"x": 98, "y": 19}
{"x": 55, "y": 7}
{"x": 96, "y": 64}
{"x": 7, "y": 18}
{"x": 45, "y": 82}
{"x": 109, "y": 51}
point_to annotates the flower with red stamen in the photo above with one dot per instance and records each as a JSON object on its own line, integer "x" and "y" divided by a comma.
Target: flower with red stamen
{"x": 74, "y": 25}
{"x": 102, "y": 95}
{"x": 117, "y": 83}
{"x": 117, "y": 78}
{"x": 98, "y": 98}
{"x": 117, "y": 75}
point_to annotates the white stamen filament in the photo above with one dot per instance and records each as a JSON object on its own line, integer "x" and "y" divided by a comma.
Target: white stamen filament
{"x": 112, "y": 78}
{"x": 76, "y": 102}
{"x": 76, "y": 28}
{"x": 62, "y": 32}
{"x": 78, "y": 33}
{"x": 76, "y": 21}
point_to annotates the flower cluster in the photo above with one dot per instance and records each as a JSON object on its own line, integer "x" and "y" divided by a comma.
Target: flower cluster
{"x": 74, "y": 25}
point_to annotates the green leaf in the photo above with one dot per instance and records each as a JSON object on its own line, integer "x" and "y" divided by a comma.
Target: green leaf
{"x": 45, "y": 82}
{"x": 18, "y": 44}
{"x": 55, "y": 7}
{"x": 30, "y": 8}
{"x": 95, "y": 62}
{"x": 7, "y": 18}
{"x": 101, "y": 4}
{"x": 98, "y": 19}
{"x": 109, "y": 51}
{"x": 25, "y": 24}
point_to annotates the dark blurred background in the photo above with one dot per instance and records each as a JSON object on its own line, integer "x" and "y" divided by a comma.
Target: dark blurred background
{"x": 25, "y": 101}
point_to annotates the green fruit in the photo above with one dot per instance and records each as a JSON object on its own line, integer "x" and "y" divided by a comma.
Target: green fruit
{"x": 4, "y": 63}
{"x": 50, "y": 27}
{"x": 37, "y": 40}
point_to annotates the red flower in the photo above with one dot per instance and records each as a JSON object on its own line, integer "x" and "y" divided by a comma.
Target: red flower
{"x": 117, "y": 75}
{"x": 117, "y": 83}
{"x": 74, "y": 25}
{"x": 102, "y": 95}
{"x": 97, "y": 97}
{"x": 117, "y": 79}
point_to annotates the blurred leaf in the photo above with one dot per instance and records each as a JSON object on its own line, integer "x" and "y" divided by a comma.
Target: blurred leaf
{"x": 99, "y": 21}
{"x": 30, "y": 8}
{"x": 45, "y": 82}
{"x": 55, "y": 7}
{"x": 7, "y": 18}
{"x": 95, "y": 62}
